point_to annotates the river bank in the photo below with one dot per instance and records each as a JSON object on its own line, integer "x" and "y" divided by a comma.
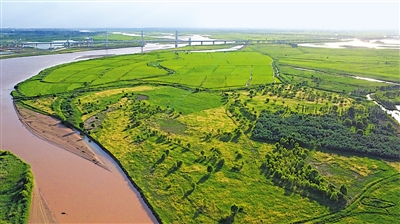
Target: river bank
{"x": 53, "y": 131}
{"x": 72, "y": 189}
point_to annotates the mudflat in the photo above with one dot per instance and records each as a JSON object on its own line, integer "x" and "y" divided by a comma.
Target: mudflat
{"x": 52, "y": 130}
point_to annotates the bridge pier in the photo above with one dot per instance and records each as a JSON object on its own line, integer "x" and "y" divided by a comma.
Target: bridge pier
{"x": 213, "y": 42}
{"x": 142, "y": 44}
{"x": 176, "y": 39}
{"x": 225, "y": 42}
{"x": 190, "y": 41}
{"x": 201, "y": 42}
{"x": 106, "y": 39}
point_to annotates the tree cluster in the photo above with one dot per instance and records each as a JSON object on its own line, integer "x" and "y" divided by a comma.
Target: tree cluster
{"x": 327, "y": 131}
{"x": 289, "y": 168}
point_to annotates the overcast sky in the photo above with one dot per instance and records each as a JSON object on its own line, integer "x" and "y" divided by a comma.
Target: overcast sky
{"x": 322, "y": 14}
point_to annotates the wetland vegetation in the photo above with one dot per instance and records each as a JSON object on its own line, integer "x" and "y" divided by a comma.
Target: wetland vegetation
{"x": 242, "y": 136}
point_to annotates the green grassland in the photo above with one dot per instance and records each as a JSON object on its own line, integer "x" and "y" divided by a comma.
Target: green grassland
{"x": 181, "y": 124}
{"x": 16, "y": 185}
{"x": 202, "y": 70}
{"x": 330, "y": 68}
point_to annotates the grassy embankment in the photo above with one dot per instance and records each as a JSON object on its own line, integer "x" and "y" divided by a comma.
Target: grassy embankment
{"x": 180, "y": 124}
{"x": 16, "y": 185}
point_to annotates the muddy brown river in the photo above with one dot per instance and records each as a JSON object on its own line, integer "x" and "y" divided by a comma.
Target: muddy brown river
{"x": 76, "y": 190}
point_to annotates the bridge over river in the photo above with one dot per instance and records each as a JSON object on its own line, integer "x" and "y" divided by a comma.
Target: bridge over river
{"x": 141, "y": 42}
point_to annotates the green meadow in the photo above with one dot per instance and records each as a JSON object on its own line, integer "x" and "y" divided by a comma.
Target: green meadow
{"x": 199, "y": 70}
{"x": 183, "y": 125}
{"x": 16, "y": 186}
{"x": 334, "y": 69}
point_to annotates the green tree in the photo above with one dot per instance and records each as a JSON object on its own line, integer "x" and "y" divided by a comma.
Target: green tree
{"x": 343, "y": 189}
{"x": 209, "y": 169}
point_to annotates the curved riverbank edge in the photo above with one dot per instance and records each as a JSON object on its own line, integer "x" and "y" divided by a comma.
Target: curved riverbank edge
{"x": 40, "y": 211}
{"x": 17, "y": 184}
{"x": 67, "y": 139}
{"x": 141, "y": 192}
{"x": 53, "y": 131}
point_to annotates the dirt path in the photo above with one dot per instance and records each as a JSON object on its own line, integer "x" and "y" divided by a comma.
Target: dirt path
{"x": 51, "y": 130}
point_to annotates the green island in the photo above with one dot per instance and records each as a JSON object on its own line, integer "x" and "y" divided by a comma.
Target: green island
{"x": 273, "y": 133}
{"x": 16, "y": 186}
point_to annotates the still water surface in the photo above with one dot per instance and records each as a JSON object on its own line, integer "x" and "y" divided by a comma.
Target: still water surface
{"x": 84, "y": 192}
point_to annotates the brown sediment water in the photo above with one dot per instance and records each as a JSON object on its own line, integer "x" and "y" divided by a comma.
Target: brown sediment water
{"x": 71, "y": 188}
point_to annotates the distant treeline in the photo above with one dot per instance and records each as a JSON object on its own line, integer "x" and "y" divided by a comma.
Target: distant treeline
{"x": 331, "y": 132}
{"x": 43, "y": 34}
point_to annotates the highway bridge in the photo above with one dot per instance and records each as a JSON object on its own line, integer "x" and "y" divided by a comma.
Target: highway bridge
{"x": 142, "y": 42}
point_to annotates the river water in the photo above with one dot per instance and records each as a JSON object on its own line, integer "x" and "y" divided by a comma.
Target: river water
{"x": 394, "y": 113}
{"x": 374, "y": 44}
{"x": 76, "y": 190}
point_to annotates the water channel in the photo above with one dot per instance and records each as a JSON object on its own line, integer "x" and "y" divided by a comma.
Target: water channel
{"x": 76, "y": 190}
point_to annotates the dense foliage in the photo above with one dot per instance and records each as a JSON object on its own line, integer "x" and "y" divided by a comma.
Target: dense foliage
{"x": 290, "y": 169}
{"x": 329, "y": 132}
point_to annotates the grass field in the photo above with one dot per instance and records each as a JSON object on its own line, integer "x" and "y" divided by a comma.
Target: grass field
{"x": 16, "y": 185}
{"x": 331, "y": 69}
{"x": 180, "y": 124}
{"x": 202, "y": 70}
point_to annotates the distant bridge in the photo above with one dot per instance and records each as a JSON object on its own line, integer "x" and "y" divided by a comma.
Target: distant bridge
{"x": 142, "y": 42}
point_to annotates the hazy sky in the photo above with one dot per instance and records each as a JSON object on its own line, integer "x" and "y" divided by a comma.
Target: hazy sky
{"x": 322, "y": 14}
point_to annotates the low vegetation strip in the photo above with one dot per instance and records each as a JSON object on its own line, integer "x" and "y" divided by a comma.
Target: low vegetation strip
{"x": 16, "y": 185}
